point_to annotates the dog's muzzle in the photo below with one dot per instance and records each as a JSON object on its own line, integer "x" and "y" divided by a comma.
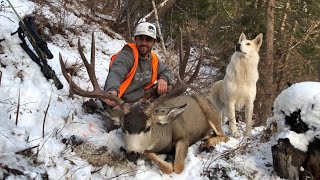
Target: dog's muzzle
{"x": 238, "y": 47}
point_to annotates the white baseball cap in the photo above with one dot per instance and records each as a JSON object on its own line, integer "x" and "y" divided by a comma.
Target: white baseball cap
{"x": 147, "y": 29}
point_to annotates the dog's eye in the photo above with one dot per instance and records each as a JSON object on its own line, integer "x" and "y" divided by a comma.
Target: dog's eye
{"x": 248, "y": 44}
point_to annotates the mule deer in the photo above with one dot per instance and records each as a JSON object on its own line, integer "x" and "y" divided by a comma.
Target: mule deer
{"x": 170, "y": 122}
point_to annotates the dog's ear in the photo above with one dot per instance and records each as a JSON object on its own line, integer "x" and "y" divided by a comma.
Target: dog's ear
{"x": 242, "y": 37}
{"x": 258, "y": 41}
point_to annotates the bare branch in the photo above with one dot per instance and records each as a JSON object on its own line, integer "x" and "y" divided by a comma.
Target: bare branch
{"x": 307, "y": 34}
{"x": 159, "y": 30}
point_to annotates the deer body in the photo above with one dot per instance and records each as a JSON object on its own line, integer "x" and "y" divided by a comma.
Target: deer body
{"x": 176, "y": 123}
{"x": 190, "y": 127}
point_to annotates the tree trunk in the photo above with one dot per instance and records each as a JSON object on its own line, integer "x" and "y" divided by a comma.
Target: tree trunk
{"x": 128, "y": 18}
{"x": 266, "y": 92}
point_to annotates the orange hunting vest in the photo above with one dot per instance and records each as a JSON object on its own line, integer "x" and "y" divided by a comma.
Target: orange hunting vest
{"x": 125, "y": 84}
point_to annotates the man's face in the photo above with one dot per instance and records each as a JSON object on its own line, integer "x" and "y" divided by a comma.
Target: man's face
{"x": 144, "y": 44}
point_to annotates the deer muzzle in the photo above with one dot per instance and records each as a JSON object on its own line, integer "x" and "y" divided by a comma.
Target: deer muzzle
{"x": 133, "y": 156}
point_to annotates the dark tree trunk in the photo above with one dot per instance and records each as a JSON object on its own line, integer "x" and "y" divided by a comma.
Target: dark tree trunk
{"x": 266, "y": 88}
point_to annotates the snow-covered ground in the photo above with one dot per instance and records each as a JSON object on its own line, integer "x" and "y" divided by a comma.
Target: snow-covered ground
{"x": 39, "y": 139}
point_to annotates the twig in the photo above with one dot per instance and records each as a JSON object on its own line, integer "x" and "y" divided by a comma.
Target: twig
{"x": 44, "y": 142}
{"x": 228, "y": 153}
{"x": 83, "y": 166}
{"x": 127, "y": 173}
{"x": 45, "y": 115}
{"x": 307, "y": 34}
{"x": 46, "y": 134}
{"x": 10, "y": 170}
{"x": 18, "y": 108}
{"x": 9, "y": 139}
{"x": 0, "y": 77}
{"x": 26, "y": 150}
{"x": 7, "y": 18}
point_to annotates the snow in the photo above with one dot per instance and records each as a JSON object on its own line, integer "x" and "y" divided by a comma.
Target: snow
{"x": 304, "y": 96}
{"x": 53, "y": 151}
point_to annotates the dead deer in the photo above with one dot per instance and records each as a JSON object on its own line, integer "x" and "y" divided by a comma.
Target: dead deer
{"x": 171, "y": 122}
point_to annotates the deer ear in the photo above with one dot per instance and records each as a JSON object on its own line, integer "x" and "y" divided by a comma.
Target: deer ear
{"x": 170, "y": 114}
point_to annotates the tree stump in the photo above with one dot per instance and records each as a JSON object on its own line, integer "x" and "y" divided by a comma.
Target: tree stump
{"x": 287, "y": 160}
{"x": 294, "y": 164}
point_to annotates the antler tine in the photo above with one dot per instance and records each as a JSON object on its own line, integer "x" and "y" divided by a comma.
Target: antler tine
{"x": 180, "y": 87}
{"x": 184, "y": 57}
{"x": 196, "y": 71}
{"x": 90, "y": 67}
{"x": 64, "y": 71}
{"x": 97, "y": 92}
{"x": 174, "y": 93}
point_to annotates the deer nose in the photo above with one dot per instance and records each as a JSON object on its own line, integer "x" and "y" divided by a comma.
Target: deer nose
{"x": 133, "y": 156}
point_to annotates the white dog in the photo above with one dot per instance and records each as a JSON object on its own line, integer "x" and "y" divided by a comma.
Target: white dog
{"x": 238, "y": 88}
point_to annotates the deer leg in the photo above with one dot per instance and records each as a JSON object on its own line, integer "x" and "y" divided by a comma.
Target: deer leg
{"x": 213, "y": 141}
{"x": 181, "y": 154}
{"x": 164, "y": 166}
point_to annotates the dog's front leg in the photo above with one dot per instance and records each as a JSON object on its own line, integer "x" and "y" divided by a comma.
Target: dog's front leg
{"x": 248, "y": 117}
{"x": 231, "y": 115}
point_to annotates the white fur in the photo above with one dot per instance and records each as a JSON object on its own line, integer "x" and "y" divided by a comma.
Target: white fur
{"x": 138, "y": 142}
{"x": 238, "y": 88}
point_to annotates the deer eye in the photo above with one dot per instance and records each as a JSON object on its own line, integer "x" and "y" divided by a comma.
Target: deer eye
{"x": 148, "y": 129}
{"x": 160, "y": 110}
{"x": 124, "y": 131}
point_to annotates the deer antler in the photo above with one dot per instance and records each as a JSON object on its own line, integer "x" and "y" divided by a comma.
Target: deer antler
{"x": 180, "y": 87}
{"x": 97, "y": 92}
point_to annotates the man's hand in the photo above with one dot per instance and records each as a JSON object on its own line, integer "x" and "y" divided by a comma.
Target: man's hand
{"x": 108, "y": 101}
{"x": 162, "y": 86}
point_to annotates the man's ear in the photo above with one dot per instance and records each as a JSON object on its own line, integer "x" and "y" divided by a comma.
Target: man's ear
{"x": 158, "y": 39}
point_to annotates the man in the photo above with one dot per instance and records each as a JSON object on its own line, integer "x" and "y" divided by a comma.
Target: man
{"x": 136, "y": 68}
